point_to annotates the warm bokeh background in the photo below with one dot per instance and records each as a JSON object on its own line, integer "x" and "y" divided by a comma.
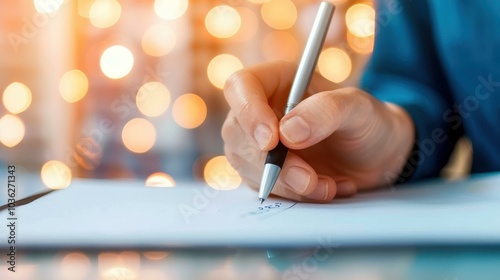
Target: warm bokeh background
{"x": 126, "y": 89}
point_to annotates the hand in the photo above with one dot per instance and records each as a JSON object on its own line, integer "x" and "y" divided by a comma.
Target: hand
{"x": 341, "y": 140}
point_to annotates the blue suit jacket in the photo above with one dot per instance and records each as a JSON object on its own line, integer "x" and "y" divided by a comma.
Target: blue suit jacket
{"x": 440, "y": 60}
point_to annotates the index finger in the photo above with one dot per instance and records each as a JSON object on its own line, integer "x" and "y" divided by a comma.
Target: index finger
{"x": 247, "y": 93}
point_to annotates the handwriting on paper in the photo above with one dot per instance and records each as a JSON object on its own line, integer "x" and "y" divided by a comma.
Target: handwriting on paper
{"x": 268, "y": 210}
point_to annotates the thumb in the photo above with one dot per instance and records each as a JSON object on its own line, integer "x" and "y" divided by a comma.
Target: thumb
{"x": 321, "y": 114}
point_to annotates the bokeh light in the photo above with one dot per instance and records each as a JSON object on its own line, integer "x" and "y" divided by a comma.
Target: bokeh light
{"x": 153, "y": 99}
{"x": 47, "y": 6}
{"x": 73, "y": 86}
{"x": 221, "y": 67}
{"x": 253, "y": 30}
{"x": 75, "y": 266}
{"x": 220, "y": 175}
{"x": 249, "y": 25}
{"x": 279, "y": 14}
{"x": 334, "y": 64}
{"x": 258, "y": 1}
{"x": 158, "y": 40}
{"x": 223, "y": 21}
{"x": 155, "y": 255}
{"x": 104, "y": 13}
{"x": 12, "y": 130}
{"x": 160, "y": 179}
{"x": 16, "y": 98}
{"x": 360, "y": 20}
{"x": 116, "y": 62}
{"x": 119, "y": 273}
{"x": 361, "y": 45}
{"x": 56, "y": 175}
{"x": 170, "y": 9}
{"x": 280, "y": 45}
{"x": 189, "y": 111}
{"x": 119, "y": 266}
{"x": 139, "y": 135}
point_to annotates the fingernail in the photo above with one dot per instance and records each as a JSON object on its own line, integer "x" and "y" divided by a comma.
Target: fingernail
{"x": 295, "y": 130}
{"x": 321, "y": 191}
{"x": 262, "y": 135}
{"x": 297, "y": 178}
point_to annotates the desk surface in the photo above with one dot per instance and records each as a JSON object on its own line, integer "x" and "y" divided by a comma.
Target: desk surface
{"x": 340, "y": 263}
{"x": 118, "y": 214}
{"x": 356, "y": 263}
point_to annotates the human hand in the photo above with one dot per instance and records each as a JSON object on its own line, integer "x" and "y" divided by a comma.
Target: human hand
{"x": 341, "y": 140}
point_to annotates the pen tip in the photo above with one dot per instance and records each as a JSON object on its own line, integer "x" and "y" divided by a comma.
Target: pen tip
{"x": 261, "y": 201}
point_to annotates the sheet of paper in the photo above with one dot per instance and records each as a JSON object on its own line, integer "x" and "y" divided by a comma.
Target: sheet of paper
{"x": 102, "y": 213}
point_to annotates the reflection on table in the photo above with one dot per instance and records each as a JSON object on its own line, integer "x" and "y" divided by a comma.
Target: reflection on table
{"x": 442, "y": 263}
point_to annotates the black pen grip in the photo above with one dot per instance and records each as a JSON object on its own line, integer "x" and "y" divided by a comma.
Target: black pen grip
{"x": 277, "y": 155}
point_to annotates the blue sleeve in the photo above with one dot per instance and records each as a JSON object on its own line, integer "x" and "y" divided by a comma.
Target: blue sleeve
{"x": 405, "y": 70}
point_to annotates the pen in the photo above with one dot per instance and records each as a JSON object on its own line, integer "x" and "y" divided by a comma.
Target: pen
{"x": 276, "y": 157}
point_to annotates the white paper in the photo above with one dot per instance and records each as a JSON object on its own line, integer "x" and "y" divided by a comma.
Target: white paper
{"x": 101, "y": 213}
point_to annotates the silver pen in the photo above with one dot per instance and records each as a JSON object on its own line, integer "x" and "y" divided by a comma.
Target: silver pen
{"x": 276, "y": 157}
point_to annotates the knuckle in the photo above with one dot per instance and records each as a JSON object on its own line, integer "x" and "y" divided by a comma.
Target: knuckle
{"x": 338, "y": 105}
{"x": 362, "y": 99}
{"x": 331, "y": 107}
{"x": 245, "y": 110}
{"x": 234, "y": 79}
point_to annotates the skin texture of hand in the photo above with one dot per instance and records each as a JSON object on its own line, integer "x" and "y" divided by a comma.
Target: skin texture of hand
{"x": 341, "y": 140}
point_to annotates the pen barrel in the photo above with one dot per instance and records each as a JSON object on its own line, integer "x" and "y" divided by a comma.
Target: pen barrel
{"x": 310, "y": 55}
{"x": 277, "y": 155}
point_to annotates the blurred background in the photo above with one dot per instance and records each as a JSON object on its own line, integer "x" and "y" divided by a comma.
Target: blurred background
{"x": 131, "y": 89}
